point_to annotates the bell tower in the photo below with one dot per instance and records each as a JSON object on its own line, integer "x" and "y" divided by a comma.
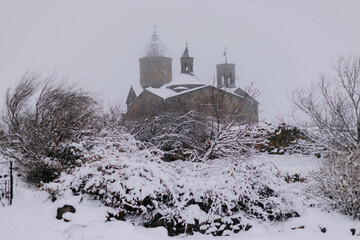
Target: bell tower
{"x": 187, "y": 62}
{"x": 225, "y": 74}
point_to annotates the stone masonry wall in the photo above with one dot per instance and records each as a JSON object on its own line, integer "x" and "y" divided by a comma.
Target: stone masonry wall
{"x": 201, "y": 100}
{"x": 155, "y": 71}
{"x": 147, "y": 104}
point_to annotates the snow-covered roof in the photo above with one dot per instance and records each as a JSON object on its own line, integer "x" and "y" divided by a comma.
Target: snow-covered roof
{"x": 239, "y": 92}
{"x": 165, "y": 92}
{"x": 233, "y": 91}
{"x": 229, "y": 90}
{"x": 185, "y": 79}
{"x": 137, "y": 88}
{"x": 134, "y": 92}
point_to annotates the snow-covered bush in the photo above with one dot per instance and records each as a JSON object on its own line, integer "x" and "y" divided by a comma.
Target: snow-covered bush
{"x": 233, "y": 141}
{"x": 178, "y": 135}
{"x": 339, "y": 184}
{"x": 193, "y": 136}
{"x": 209, "y": 197}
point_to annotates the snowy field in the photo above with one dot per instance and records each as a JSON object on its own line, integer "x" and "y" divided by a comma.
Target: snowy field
{"x": 32, "y": 216}
{"x": 293, "y": 163}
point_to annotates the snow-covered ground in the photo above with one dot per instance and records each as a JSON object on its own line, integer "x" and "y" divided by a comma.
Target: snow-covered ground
{"x": 293, "y": 163}
{"x": 32, "y": 216}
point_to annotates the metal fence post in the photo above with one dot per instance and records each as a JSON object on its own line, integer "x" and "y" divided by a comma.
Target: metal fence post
{"x": 11, "y": 183}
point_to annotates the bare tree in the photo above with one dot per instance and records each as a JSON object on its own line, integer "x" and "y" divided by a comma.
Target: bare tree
{"x": 333, "y": 106}
{"x": 113, "y": 116}
{"x": 41, "y": 114}
{"x": 252, "y": 91}
{"x": 232, "y": 131}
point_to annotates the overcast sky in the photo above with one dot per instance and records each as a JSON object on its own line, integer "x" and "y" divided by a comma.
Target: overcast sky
{"x": 98, "y": 42}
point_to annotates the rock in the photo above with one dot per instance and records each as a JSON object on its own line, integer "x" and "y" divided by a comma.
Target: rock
{"x": 235, "y": 221}
{"x": 236, "y": 230}
{"x": 67, "y": 217}
{"x": 353, "y": 231}
{"x": 218, "y": 220}
{"x": 295, "y": 214}
{"x": 157, "y": 221}
{"x": 147, "y": 201}
{"x": 191, "y": 228}
{"x": 78, "y": 162}
{"x": 323, "y": 230}
{"x": 247, "y": 227}
{"x": 118, "y": 216}
{"x": 64, "y": 209}
{"x": 218, "y": 233}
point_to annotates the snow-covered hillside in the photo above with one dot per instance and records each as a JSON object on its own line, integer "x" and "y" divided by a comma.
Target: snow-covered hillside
{"x": 32, "y": 216}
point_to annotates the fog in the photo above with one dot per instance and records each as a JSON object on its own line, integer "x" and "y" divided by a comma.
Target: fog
{"x": 98, "y": 43}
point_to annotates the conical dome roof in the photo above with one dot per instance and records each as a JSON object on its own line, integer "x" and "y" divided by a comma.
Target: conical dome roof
{"x": 155, "y": 47}
{"x": 186, "y": 53}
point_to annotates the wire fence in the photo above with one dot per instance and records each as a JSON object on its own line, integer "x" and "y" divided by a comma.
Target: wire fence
{"x": 6, "y": 183}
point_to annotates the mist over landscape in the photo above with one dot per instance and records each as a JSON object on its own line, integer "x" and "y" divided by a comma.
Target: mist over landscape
{"x": 99, "y": 43}
{"x": 196, "y": 119}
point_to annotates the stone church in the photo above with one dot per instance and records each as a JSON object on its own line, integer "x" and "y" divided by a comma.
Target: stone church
{"x": 159, "y": 92}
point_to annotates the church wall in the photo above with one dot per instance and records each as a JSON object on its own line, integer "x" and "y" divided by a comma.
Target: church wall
{"x": 203, "y": 100}
{"x": 155, "y": 71}
{"x": 147, "y": 104}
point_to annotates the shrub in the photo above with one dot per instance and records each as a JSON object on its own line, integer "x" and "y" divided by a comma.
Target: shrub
{"x": 179, "y": 136}
{"x": 193, "y": 136}
{"x": 42, "y": 172}
{"x": 42, "y": 116}
{"x": 182, "y": 196}
{"x": 339, "y": 184}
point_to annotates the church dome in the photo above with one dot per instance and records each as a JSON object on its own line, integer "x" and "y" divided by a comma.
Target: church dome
{"x": 155, "y": 48}
{"x": 155, "y": 65}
